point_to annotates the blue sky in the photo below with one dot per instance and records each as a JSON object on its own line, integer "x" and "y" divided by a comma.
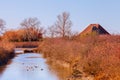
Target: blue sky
{"x": 82, "y": 12}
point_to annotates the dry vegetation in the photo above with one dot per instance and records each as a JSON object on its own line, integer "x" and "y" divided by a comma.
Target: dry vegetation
{"x": 26, "y": 44}
{"x": 89, "y": 55}
{"x": 6, "y": 48}
{"x": 6, "y": 52}
{"x": 98, "y": 56}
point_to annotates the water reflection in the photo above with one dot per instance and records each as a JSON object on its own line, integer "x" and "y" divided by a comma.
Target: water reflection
{"x": 27, "y": 67}
{"x": 2, "y": 68}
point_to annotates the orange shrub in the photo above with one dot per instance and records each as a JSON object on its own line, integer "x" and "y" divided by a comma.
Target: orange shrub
{"x": 6, "y": 52}
{"x": 94, "y": 55}
{"x": 103, "y": 60}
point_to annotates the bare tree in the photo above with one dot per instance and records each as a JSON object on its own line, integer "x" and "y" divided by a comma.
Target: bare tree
{"x": 52, "y": 31}
{"x": 63, "y": 24}
{"x": 2, "y": 26}
{"x": 32, "y": 29}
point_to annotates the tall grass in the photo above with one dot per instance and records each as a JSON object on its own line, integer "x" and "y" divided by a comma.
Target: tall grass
{"x": 26, "y": 44}
{"x": 103, "y": 60}
{"x": 98, "y": 56}
{"x": 61, "y": 52}
{"x": 6, "y": 51}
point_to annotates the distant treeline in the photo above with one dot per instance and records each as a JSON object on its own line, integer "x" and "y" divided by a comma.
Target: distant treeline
{"x": 22, "y": 35}
{"x": 31, "y": 30}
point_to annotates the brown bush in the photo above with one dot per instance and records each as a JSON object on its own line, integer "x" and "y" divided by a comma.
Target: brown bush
{"x": 59, "y": 49}
{"x": 6, "y": 52}
{"x": 94, "y": 55}
{"x": 103, "y": 60}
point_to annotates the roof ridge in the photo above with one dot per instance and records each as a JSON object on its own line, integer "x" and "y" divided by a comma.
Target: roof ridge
{"x": 96, "y": 27}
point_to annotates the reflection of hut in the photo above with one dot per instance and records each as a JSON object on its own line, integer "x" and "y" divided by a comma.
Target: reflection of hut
{"x": 97, "y": 28}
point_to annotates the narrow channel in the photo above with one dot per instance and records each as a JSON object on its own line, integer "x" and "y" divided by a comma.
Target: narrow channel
{"x": 28, "y": 66}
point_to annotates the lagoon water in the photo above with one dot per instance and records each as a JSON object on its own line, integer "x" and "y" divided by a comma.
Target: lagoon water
{"x": 29, "y": 66}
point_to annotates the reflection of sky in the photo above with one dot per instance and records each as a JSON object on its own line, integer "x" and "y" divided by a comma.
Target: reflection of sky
{"x": 25, "y": 68}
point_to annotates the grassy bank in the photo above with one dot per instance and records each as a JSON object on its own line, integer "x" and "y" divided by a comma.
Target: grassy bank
{"x": 97, "y": 56}
{"x": 26, "y": 44}
{"x": 6, "y": 52}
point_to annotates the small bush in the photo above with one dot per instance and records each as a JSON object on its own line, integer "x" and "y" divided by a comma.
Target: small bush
{"x": 6, "y": 52}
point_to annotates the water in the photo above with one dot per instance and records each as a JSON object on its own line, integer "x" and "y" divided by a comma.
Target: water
{"x": 29, "y": 66}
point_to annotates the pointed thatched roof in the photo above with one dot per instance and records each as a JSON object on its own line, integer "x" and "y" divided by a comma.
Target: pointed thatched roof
{"x": 94, "y": 28}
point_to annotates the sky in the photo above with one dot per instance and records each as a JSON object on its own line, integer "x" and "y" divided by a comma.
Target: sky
{"x": 82, "y": 12}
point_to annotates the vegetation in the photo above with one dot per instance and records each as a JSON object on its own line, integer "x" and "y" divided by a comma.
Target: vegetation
{"x": 20, "y": 36}
{"x": 6, "y": 52}
{"x": 32, "y": 29}
{"x": 6, "y": 48}
{"x": 26, "y": 44}
{"x": 62, "y": 26}
{"x": 98, "y": 56}
{"x": 90, "y": 55}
